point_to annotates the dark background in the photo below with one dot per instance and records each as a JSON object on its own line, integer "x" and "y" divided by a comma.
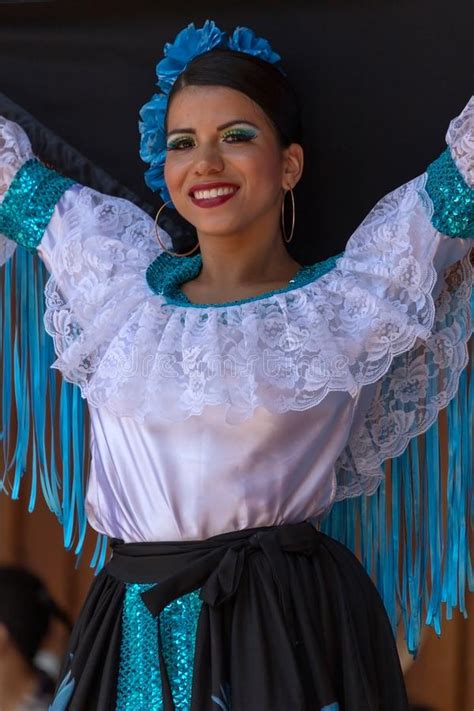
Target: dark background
{"x": 379, "y": 81}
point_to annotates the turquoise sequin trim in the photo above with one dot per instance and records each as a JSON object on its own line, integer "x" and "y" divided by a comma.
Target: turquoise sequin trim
{"x": 29, "y": 203}
{"x": 139, "y": 681}
{"x": 452, "y": 198}
{"x": 167, "y": 273}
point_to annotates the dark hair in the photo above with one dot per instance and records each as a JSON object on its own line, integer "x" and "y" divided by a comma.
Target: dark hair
{"x": 26, "y": 609}
{"x": 262, "y": 82}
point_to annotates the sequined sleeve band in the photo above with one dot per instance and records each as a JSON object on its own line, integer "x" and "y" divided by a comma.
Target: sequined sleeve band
{"x": 30, "y": 201}
{"x": 452, "y": 198}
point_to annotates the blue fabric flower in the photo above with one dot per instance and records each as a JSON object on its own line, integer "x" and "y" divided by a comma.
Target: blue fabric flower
{"x": 245, "y": 40}
{"x": 155, "y": 179}
{"x": 153, "y": 142}
{"x": 152, "y": 128}
{"x": 189, "y": 43}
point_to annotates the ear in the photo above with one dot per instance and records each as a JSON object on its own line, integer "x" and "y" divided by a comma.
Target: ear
{"x": 293, "y": 160}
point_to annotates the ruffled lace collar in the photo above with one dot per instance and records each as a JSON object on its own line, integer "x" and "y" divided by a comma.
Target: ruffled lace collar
{"x": 125, "y": 333}
{"x": 166, "y": 275}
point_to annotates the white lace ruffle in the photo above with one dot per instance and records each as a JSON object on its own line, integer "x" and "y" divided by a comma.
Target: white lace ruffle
{"x": 132, "y": 352}
{"x": 418, "y": 384}
{"x": 15, "y": 150}
{"x": 460, "y": 139}
{"x": 421, "y": 381}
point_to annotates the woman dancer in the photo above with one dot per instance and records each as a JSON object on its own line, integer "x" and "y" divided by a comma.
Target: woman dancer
{"x": 235, "y": 394}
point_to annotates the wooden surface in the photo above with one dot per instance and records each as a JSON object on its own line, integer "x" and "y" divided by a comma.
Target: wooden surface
{"x": 442, "y": 677}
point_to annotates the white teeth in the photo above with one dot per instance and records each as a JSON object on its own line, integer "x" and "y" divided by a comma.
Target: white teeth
{"x": 213, "y": 193}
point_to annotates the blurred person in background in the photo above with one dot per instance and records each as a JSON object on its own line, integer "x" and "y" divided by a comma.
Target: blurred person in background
{"x": 26, "y": 612}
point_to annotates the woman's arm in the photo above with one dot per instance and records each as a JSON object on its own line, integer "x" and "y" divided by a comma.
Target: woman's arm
{"x": 449, "y": 191}
{"x": 96, "y": 249}
{"x": 29, "y": 191}
{"x": 450, "y": 183}
{"x": 407, "y": 283}
{"x": 404, "y": 319}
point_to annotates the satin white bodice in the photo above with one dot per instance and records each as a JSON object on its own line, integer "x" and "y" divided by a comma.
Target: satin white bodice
{"x": 201, "y": 477}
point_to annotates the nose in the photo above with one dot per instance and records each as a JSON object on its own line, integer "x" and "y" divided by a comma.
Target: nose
{"x": 208, "y": 160}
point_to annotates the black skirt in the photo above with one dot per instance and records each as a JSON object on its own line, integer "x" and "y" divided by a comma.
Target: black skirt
{"x": 288, "y": 620}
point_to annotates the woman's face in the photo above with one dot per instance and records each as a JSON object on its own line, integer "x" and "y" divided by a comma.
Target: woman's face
{"x": 220, "y": 140}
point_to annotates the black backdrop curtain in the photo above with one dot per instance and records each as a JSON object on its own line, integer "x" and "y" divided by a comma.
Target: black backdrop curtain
{"x": 379, "y": 82}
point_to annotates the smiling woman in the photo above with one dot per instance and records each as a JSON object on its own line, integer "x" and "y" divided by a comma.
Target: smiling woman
{"x": 236, "y": 395}
{"x": 238, "y": 231}
{"x": 248, "y": 149}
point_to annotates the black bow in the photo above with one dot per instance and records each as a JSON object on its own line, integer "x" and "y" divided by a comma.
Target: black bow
{"x": 218, "y": 572}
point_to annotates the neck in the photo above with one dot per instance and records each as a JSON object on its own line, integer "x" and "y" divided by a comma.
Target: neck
{"x": 258, "y": 256}
{"x": 17, "y": 680}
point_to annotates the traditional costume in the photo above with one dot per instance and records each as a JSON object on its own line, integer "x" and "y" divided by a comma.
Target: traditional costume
{"x": 232, "y": 443}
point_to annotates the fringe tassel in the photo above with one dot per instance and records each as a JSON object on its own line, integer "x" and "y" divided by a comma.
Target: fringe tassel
{"x": 412, "y": 535}
{"x": 42, "y": 426}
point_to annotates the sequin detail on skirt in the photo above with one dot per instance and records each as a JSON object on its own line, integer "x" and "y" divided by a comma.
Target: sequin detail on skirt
{"x": 139, "y": 681}
{"x": 178, "y": 633}
{"x": 29, "y": 203}
{"x": 452, "y": 198}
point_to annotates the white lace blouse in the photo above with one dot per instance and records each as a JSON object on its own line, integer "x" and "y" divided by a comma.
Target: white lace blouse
{"x": 212, "y": 418}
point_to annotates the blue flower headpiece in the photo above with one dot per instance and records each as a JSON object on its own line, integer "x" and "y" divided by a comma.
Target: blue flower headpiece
{"x": 189, "y": 43}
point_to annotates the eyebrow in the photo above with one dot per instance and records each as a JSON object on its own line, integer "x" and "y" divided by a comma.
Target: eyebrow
{"x": 219, "y": 128}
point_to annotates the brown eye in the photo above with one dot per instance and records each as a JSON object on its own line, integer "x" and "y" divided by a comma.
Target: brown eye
{"x": 238, "y": 136}
{"x": 180, "y": 144}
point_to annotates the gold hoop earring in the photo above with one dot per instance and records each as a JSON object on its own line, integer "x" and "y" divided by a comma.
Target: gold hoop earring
{"x": 293, "y": 216}
{"x": 173, "y": 254}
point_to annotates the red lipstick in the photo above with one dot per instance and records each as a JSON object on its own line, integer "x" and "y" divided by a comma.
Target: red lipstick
{"x": 214, "y": 201}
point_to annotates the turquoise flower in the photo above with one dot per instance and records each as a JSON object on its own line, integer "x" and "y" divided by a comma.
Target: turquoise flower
{"x": 155, "y": 178}
{"x": 189, "y": 43}
{"x": 153, "y": 142}
{"x": 245, "y": 40}
{"x": 152, "y": 128}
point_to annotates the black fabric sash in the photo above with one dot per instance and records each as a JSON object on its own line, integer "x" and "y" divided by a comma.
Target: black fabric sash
{"x": 216, "y": 566}
{"x": 290, "y": 621}
{"x": 275, "y": 626}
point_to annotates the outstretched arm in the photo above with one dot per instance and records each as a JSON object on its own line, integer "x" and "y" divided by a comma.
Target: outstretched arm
{"x": 29, "y": 191}
{"x": 406, "y": 282}
{"x": 450, "y": 181}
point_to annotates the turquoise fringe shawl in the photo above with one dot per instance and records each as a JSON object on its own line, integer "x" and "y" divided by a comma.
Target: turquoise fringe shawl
{"x": 412, "y": 535}
{"x": 43, "y": 419}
